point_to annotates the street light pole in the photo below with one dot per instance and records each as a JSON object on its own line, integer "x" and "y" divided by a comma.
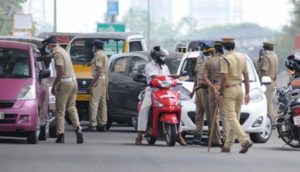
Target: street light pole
{"x": 55, "y": 20}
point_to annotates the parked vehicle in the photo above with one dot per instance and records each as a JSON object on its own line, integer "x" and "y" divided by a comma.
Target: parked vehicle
{"x": 254, "y": 118}
{"x": 61, "y": 38}
{"x": 80, "y": 49}
{"x": 123, "y": 110}
{"x": 288, "y": 120}
{"x": 24, "y": 92}
{"x": 165, "y": 112}
{"x": 49, "y": 64}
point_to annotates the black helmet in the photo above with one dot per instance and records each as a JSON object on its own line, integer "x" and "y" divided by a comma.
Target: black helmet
{"x": 158, "y": 54}
{"x": 292, "y": 63}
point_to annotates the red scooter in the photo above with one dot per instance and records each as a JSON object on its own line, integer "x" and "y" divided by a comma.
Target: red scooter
{"x": 165, "y": 112}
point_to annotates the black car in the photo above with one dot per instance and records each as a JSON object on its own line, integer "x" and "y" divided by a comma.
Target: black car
{"x": 124, "y": 90}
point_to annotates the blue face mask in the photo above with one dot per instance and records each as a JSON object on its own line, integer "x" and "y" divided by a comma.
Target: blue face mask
{"x": 47, "y": 50}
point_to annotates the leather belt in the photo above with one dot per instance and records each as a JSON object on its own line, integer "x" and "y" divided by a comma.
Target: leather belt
{"x": 233, "y": 85}
{"x": 68, "y": 79}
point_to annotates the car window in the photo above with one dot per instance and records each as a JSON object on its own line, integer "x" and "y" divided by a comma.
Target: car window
{"x": 251, "y": 72}
{"x": 188, "y": 67}
{"x": 173, "y": 64}
{"x": 120, "y": 65}
{"x": 135, "y": 46}
{"x": 136, "y": 64}
{"x": 14, "y": 63}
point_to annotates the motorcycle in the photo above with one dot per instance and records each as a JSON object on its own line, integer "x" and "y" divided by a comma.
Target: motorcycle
{"x": 288, "y": 122}
{"x": 165, "y": 111}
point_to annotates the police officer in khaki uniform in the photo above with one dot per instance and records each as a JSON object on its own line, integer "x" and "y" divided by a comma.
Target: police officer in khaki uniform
{"x": 99, "y": 85}
{"x": 268, "y": 66}
{"x": 202, "y": 107}
{"x": 65, "y": 89}
{"x": 212, "y": 78}
{"x": 233, "y": 67}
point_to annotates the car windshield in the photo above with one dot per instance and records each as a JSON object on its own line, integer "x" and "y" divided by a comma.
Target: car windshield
{"x": 14, "y": 63}
{"x": 173, "y": 64}
{"x": 190, "y": 63}
{"x": 81, "y": 50}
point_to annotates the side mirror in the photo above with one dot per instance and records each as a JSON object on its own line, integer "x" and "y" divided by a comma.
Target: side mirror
{"x": 44, "y": 73}
{"x": 184, "y": 73}
{"x": 266, "y": 80}
{"x": 139, "y": 78}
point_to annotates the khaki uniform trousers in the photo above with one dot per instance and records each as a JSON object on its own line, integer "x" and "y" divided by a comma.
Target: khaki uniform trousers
{"x": 66, "y": 100}
{"x": 269, "y": 95}
{"x": 216, "y": 136}
{"x": 97, "y": 105}
{"x": 201, "y": 108}
{"x": 232, "y": 102}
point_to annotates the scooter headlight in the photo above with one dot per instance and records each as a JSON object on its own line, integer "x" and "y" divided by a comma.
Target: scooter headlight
{"x": 27, "y": 93}
{"x": 165, "y": 83}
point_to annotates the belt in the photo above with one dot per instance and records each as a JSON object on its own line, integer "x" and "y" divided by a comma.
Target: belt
{"x": 68, "y": 79}
{"x": 233, "y": 85}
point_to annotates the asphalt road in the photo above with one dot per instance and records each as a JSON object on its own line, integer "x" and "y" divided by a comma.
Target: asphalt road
{"x": 114, "y": 151}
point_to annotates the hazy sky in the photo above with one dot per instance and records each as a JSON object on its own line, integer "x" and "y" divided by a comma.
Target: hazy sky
{"x": 82, "y": 15}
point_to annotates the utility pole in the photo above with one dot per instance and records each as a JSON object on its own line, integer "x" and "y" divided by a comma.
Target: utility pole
{"x": 148, "y": 25}
{"x": 55, "y": 19}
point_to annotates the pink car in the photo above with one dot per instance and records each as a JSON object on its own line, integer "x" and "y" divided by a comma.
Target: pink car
{"x": 23, "y": 92}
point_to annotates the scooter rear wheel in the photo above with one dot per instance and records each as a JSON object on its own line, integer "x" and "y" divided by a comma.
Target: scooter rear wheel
{"x": 285, "y": 133}
{"x": 170, "y": 133}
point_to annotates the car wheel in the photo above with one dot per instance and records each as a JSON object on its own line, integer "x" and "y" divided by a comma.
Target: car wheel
{"x": 68, "y": 119}
{"x": 264, "y": 136}
{"x": 32, "y": 136}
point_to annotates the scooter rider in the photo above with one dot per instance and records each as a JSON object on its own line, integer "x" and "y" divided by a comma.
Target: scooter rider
{"x": 152, "y": 69}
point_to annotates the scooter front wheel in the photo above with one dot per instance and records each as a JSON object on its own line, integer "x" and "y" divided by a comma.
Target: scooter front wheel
{"x": 170, "y": 133}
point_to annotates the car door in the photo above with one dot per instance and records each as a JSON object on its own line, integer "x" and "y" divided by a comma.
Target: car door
{"x": 118, "y": 83}
{"x": 134, "y": 88}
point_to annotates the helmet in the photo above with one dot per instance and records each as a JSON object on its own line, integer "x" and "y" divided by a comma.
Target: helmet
{"x": 293, "y": 63}
{"x": 158, "y": 54}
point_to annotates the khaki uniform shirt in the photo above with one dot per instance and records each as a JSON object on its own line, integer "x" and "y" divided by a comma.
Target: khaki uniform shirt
{"x": 62, "y": 58}
{"x": 199, "y": 69}
{"x": 234, "y": 65}
{"x": 100, "y": 60}
{"x": 269, "y": 63}
{"x": 212, "y": 69}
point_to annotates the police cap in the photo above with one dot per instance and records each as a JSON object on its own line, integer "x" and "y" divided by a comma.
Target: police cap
{"x": 208, "y": 49}
{"x": 50, "y": 40}
{"x": 228, "y": 40}
{"x": 268, "y": 44}
{"x": 98, "y": 43}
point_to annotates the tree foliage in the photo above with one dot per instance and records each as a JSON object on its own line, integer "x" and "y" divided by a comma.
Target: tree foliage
{"x": 8, "y": 8}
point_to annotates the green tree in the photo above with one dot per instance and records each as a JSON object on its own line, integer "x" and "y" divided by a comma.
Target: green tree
{"x": 8, "y": 8}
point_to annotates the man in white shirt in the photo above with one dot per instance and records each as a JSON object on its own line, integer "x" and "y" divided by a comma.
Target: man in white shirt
{"x": 154, "y": 68}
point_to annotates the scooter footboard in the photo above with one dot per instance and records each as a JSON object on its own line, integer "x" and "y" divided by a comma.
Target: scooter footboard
{"x": 170, "y": 118}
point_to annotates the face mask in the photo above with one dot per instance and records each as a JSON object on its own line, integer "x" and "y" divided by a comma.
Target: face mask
{"x": 47, "y": 50}
{"x": 207, "y": 57}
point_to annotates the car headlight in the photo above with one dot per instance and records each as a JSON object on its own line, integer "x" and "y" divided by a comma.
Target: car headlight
{"x": 256, "y": 95}
{"x": 27, "y": 93}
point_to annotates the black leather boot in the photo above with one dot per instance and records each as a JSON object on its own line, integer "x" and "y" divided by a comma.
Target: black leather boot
{"x": 79, "y": 135}
{"x": 60, "y": 138}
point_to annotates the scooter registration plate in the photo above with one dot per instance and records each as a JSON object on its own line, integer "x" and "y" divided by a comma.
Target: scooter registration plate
{"x": 1, "y": 115}
{"x": 297, "y": 120}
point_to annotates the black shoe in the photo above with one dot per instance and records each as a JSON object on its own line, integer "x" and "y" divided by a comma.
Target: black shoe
{"x": 90, "y": 129}
{"x": 60, "y": 138}
{"x": 79, "y": 135}
{"x": 225, "y": 150}
{"x": 216, "y": 144}
{"x": 246, "y": 146}
{"x": 101, "y": 128}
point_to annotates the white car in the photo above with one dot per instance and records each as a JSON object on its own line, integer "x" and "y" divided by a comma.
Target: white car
{"x": 254, "y": 118}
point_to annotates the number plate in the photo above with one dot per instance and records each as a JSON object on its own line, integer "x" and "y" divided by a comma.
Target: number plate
{"x": 83, "y": 97}
{"x": 1, "y": 115}
{"x": 296, "y": 120}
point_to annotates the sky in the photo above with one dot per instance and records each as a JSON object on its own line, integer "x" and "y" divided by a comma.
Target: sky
{"x": 83, "y": 15}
